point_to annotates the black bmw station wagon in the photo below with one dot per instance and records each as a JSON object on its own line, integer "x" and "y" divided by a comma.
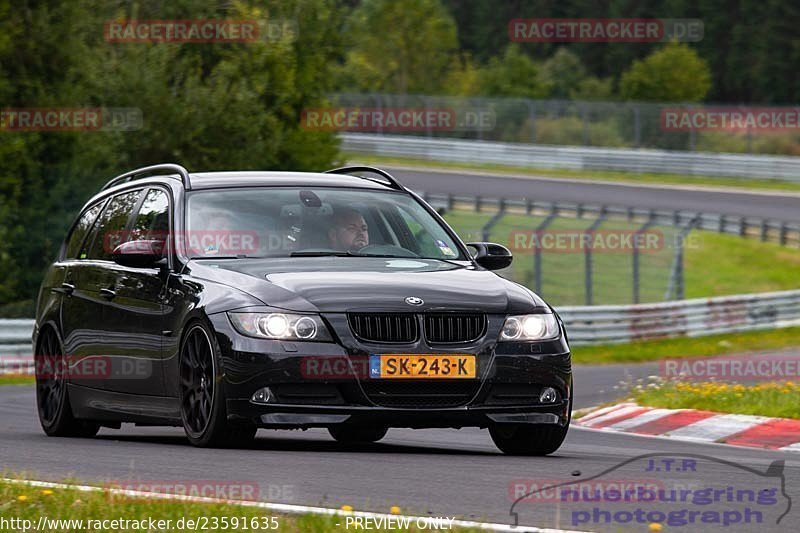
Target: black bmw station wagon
{"x": 225, "y": 302}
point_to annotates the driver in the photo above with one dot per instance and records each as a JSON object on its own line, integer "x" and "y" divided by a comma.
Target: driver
{"x": 349, "y": 232}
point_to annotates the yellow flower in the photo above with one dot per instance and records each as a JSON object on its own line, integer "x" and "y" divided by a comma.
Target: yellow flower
{"x": 22, "y": 498}
{"x": 47, "y": 492}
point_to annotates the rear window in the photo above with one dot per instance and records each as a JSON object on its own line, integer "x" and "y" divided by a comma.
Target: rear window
{"x": 109, "y": 230}
{"x": 80, "y": 230}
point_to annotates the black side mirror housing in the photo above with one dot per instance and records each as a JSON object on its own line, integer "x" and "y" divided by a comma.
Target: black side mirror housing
{"x": 491, "y": 256}
{"x": 140, "y": 254}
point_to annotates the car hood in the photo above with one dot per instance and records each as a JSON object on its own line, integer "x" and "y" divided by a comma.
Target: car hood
{"x": 342, "y": 284}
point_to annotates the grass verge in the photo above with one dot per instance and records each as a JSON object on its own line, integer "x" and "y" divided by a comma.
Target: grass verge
{"x": 596, "y": 175}
{"x": 22, "y": 502}
{"x": 654, "y": 350}
{"x": 749, "y": 265}
{"x": 772, "y": 399}
{"x": 13, "y": 379}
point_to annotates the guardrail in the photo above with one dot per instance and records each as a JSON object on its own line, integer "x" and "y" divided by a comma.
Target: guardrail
{"x": 574, "y": 158}
{"x": 604, "y": 324}
{"x": 15, "y": 345}
{"x": 15, "y": 336}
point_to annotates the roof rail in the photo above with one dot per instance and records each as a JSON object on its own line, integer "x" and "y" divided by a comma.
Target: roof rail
{"x": 388, "y": 179}
{"x": 152, "y": 170}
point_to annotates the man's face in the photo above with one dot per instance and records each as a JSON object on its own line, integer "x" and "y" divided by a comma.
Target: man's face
{"x": 350, "y": 234}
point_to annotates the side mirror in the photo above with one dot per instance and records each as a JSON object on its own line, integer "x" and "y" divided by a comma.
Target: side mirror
{"x": 139, "y": 254}
{"x": 491, "y": 256}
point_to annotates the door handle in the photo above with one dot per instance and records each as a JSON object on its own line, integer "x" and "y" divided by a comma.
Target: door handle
{"x": 108, "y": 294}
{"x": 68, "y": 288}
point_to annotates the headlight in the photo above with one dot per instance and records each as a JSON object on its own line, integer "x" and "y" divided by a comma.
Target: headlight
{"x": 530, "y": 328}
{"x": 283, "y": 326}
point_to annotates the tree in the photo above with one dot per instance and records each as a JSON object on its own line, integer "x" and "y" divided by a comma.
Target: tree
{"x": 399, "y": 47}
{"x": 564, "y": 71}
{"x": 675, "y": 73}
{"x": 207, "y": 106}
{"x": 514, "y": 74}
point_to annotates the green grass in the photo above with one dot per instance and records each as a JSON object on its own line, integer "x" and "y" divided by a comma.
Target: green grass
{"x": 714, "y": 264}
{"x": 654, "y": 350}
{"x": 16, "y": 380}
{"x": 597, "y": 175}
{"x": 30, "y": 503}
{"x": 728, "y": 264}
{"x": 766, "y": 399}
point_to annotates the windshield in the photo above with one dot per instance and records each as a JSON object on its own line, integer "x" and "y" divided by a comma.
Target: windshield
{"x": 307, "y": 222}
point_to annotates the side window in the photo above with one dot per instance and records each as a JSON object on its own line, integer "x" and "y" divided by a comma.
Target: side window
{"x": 108, "y": 232}
{"x": 152, "y": 220}
{"x": 80, "y": 230}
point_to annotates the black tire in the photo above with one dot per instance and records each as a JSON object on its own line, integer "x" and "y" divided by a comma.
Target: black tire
{"x": 202, "y": 398}
{"x": 531, "y": 439}
{"x": 350, "y": 434}
{"x": 52, "y": 395}
{"x": 528, "y": 439}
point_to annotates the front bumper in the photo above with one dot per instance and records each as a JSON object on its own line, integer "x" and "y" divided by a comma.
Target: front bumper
{"x": 510, "y": 377}
{"x": 306, "y": 416}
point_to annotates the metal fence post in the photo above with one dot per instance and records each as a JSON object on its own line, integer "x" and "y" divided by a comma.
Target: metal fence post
{"x": 587, "y": 255}
{"x": 537, "y": 252}
{"x": 635, "y": 267}
{"x": 501, "y": 211}
{"x": 532, "y": 119}
{"x": 585, "y": 118}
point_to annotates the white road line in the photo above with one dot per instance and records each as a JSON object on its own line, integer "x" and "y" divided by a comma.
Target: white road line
{"x": 285, "y": 508}
{"x": 716, "y": 427}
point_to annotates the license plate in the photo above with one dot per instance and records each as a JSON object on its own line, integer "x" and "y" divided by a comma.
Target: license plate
{"x": 422, "y": 366}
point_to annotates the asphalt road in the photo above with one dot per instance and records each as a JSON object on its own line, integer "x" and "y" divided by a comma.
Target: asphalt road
{"x": 778, "y": 206}
{"x": 428, "y": 472}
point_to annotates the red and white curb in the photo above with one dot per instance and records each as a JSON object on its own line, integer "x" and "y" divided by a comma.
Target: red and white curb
{"x": 697, "y": 426}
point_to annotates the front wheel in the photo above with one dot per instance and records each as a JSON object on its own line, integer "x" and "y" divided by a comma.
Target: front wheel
{"x": 528, "y": 439}
{"x": 356, "y": 434}
{"x": 202, "y": 398}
